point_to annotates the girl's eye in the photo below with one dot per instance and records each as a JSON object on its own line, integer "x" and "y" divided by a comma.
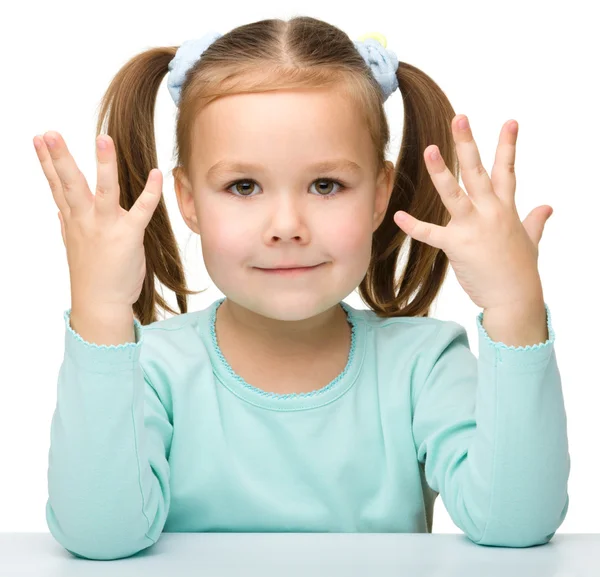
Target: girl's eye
{"x": 321, "y": 191}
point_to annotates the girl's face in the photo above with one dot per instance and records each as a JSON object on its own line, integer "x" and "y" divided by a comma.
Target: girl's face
{"x": 285, "y": 210}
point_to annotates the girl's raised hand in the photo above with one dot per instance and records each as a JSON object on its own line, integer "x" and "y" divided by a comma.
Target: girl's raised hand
{"x": 493, "y": 254}
{"x": 104, "y": 242}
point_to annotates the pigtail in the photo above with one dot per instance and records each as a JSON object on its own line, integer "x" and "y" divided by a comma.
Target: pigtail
{"x": 127, "y": 110}
{"x": 427, "y": 120}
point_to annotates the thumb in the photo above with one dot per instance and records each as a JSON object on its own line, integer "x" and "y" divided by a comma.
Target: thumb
{"x": 143, "y": 208}
{"x": 535, "y": 222}
{"x": 62, "y": 228}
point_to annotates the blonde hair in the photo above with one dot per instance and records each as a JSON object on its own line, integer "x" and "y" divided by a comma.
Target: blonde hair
{"x": 274, "y": 54}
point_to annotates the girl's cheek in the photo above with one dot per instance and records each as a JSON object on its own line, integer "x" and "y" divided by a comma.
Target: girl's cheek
{"x": 350, "y": 234}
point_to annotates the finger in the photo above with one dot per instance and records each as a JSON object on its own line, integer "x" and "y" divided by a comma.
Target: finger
{"x": 453, "y": 196}
{"x": 107, "y": 183}
{"x": 50, "y": 174}
{"x": 503, "y": 171}
{"x": 74, "y": 185}
{"x": 426, "y": 232}
{"x": 142, "y": 210}
{"x": 476, "y": 179}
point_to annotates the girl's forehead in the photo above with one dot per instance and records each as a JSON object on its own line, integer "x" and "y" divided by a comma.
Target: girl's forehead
{"x": 310, "y": 125}
{"x": 329, "y": 107}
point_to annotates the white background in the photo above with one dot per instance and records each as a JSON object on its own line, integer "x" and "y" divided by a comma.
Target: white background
{"x": 532, "y": 61}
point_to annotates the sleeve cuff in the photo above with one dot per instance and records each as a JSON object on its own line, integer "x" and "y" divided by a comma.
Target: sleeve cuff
{"x": 497, "y": 352}
{"x": 87, "y": 353}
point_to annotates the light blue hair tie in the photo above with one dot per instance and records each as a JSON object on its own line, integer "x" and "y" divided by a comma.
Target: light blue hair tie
{"x": 186, "y": 56}
{"x": 382, "y": 62}
{"x": 372, "y": 47}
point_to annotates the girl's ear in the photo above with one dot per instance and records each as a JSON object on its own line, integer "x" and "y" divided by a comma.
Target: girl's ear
{"x": 383, "y": 192}
{"x": 185, "y": 200}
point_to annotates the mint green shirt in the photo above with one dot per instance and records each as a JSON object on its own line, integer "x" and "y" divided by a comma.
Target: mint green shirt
{"x": 162, "y": 435}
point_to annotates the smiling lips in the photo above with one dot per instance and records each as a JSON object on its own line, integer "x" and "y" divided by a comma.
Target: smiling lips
{"x": 290, "y": 270}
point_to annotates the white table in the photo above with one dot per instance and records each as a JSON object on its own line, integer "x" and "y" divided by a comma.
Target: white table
{"x": 308, "y": 555}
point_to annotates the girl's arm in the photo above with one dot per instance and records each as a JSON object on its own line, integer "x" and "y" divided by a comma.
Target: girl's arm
{"x": 108, "y": 474}
{"x": 492, "y": 434}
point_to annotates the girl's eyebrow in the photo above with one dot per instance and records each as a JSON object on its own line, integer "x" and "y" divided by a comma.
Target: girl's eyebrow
{"x": 231, "y": 166}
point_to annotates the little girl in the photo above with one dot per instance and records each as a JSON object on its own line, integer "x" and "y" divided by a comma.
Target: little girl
{"x": 280, "y": 407}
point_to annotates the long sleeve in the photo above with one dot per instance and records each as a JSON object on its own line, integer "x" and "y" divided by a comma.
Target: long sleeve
{"x": 492, "y": 435}
{"x": 108, "y": 474}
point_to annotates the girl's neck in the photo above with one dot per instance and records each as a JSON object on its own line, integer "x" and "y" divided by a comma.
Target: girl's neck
{"x": 287, "y": 340}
